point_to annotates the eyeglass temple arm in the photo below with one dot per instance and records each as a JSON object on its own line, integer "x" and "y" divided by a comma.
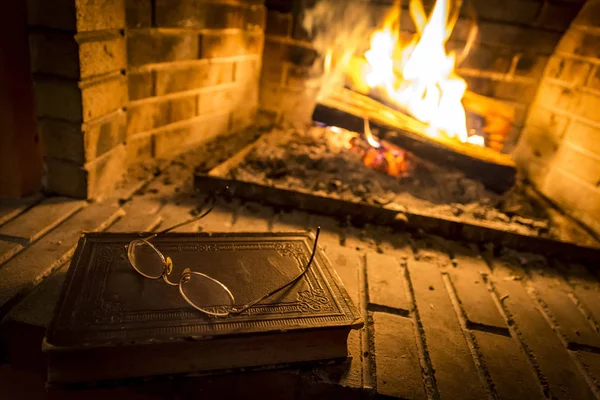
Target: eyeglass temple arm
{"x": 211, "y": 200}
{"x": 300, "y": 275}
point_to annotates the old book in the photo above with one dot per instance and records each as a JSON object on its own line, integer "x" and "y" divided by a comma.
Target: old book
{"x": 112, "y": 323}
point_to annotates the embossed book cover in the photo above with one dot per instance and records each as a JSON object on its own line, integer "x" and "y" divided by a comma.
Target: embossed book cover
{"x": 112, "y": 323}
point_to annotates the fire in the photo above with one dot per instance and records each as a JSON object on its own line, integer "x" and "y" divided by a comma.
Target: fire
{"x": 369, "y": 135}
{"x": 381, "y": 156}
{"x": 418, "y": 77}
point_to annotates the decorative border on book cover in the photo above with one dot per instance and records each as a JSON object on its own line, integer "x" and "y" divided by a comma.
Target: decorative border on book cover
{"x": 321, "y": 304}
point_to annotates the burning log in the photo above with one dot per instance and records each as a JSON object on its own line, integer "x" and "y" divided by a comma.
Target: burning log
{"x": 347, "y": 109}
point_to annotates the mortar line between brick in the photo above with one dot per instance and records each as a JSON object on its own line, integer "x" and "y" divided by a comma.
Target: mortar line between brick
{"x": 15, "y": 239}
{"x": 20, "y": 210}
{"x": 578, "y": 179}
{"x": 153, "y": 13}
{"x": 586, "y": 28}
{"x": 514, "y": 333}
{"x": 127, "y": 196}
{"x": 549, "y": 317}
{"x": 572, "y": 86}
{"x": 427, "y": 371}
{"x": 98, "y": 35}
{"x": 289, "y": 40}
{"x": 177, "y": 124}
{"x": 189, "y": 31}
{"x": 487, "y": 328}
{"x": 541, "y": 11}
{"x": 580, "y": 149}
{"x": 56, "y": 223}
{"x": 190, "y": 63}
{"x": 583, "y": 310}
{"x": 480, "y": 365}
{"x": 546, "y": 313}
{"x": 153, "y": 226}
{"x": 5, "y": 309}
{"x": 563, "y": 113}
{"x": 495, "y": 76}
{"x": 186, "y": 93}
{"x": 26, "y": 242}
{"x": 24, "y": 292}
{"x": 368, "y": 366}
{"x": 6, "y": 257}
{"x": 577, "y": 57}
{"x": 374, "y": 307}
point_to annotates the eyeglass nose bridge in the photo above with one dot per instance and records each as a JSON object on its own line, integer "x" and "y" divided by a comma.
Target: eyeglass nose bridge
{"x": 168, "y": 266}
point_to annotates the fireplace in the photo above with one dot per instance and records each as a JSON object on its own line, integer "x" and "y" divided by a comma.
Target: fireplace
{"x": 118, "y": 83}
{"x": 470, "y": 255}
{"x": 121, "y": 83}
{"x": 536, "y": 60}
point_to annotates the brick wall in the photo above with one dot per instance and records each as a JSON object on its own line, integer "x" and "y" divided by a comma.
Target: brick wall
{"x": 559, "y": 149}
{"x": 193, "y": 69}
{"x": 514, "y": 42}
{"x": 78, "y": 60}
{"x": 289, "y": 85}
{"x": 119, "y": 82}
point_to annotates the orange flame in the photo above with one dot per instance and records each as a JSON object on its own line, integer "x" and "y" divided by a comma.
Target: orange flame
{"x": 418, "y": 77}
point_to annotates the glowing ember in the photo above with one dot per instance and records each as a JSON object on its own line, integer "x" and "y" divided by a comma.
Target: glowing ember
{"x": 418, "y": 77}
{"x": 380, "y": 156}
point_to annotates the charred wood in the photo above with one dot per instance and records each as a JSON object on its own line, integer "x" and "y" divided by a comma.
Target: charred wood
{"x": 348, "y": 109}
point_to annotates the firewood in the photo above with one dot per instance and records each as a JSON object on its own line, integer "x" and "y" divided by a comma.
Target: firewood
{"x": 347, "y": 109}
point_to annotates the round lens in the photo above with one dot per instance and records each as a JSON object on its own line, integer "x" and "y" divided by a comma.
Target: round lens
{"x": 205, "y": 293}
{"x": 146, "y": 259}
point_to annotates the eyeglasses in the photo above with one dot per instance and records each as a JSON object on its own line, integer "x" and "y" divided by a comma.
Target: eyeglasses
{"x": 203, "y": 292}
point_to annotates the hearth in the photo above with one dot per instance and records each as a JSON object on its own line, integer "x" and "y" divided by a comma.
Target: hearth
{"x": 472, "y": 112}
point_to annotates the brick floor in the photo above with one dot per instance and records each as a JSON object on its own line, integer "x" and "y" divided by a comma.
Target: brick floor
{"x": 41, "y": 219}
{"x": 444, "y": 320}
